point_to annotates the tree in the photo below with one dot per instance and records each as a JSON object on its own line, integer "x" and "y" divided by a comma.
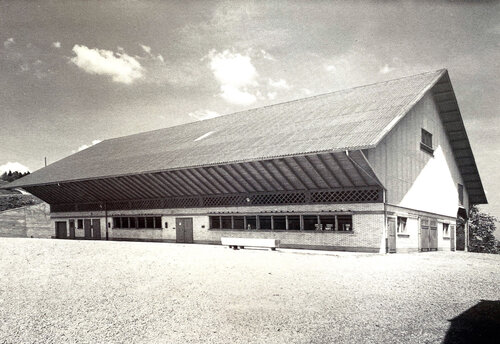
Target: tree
{"x": 11, "y": 176}
{"x": 481, "y": 229}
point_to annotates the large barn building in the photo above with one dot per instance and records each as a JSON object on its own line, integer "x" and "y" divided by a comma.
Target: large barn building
{"x": 385, "y": 167}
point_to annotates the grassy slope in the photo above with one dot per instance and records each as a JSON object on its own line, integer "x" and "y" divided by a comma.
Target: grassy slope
{"x": 85, "y": 292}
{"x": 11, "y": 201}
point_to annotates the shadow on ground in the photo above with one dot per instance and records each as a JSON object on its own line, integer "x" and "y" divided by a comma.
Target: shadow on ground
{"x": 479, "y": 324}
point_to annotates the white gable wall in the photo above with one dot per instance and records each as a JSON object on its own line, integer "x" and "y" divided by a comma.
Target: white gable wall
{"x": 414, "y": 178}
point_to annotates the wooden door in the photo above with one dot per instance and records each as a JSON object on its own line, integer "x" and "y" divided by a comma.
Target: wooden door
{"x": 460, "y": 236}
{"x": 184, "y": 230}
{"x": 433, "y": 237}
{"x": 391, "y": 235}
{"x": 96, "y": 229}
{"x": 87, "y": 228}
{"x": 452, "y": 238}
{"x": 72, "y": 229}
{"x": 61, "y": 230}
{"x": 424, "y": 234}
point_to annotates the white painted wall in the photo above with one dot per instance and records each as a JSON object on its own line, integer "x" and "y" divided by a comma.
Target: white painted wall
{"x": 415, "y": 179}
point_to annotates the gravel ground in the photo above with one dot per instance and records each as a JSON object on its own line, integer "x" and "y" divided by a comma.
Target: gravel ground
{"x": 54, "y": 291}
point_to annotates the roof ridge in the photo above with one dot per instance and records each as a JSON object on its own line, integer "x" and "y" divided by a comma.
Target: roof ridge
{"x": 285, "y": 102}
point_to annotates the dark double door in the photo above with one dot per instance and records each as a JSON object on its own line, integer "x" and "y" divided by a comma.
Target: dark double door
{"x": 428, "y": 235}
{"x": 184, "y": 230}
{"x": 92, "y": 228}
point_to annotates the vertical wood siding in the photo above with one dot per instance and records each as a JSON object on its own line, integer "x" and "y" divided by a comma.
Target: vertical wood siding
{"x": 414, "y": 178}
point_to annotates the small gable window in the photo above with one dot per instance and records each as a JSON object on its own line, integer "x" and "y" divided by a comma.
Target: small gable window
{"x": 426, "y": 142}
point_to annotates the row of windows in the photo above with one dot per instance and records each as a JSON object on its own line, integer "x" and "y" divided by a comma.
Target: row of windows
{"x": 283, "y": 222}
{"x": 137, "y": 222}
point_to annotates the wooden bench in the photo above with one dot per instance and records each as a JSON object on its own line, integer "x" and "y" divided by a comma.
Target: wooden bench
{"x": 236, "y": 243}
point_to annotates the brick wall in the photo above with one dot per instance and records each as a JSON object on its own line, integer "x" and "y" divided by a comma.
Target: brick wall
{"x": 368, "y": 225}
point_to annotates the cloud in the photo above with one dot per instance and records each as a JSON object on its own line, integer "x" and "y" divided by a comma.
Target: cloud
{"x": 13, "y": 166}
{"x": 203, "y": 114}
{"x": 82, "y": 147}
{"x": 271, "y": 95}
{"x": 331, "y": 68}
{"x": 235, "y": 73}
{"x": 386, "y": 69}
{"x": 236, "y": 96}
{"x": 281, "y": 83}
{"x": 8, "y": 42}
{"x": 56, "y": 44}
{"x": 121, "y": 67}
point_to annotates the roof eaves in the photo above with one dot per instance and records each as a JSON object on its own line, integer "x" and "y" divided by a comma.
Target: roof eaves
{"x": 408, "y": 107}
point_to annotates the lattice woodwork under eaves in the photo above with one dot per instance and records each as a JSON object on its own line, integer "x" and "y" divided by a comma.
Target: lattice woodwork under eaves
{"x": 365, "y": 195}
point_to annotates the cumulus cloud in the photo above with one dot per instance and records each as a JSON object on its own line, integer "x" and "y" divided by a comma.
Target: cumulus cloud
{"x": 386, "y": 69}
{"x": 9, "y": 42}
{"x": 56, "y": 44}
{"x": 271, "y": 95}
{"x": 281, "y": 83}
{"x": 121, "y": 67}
{"x": 203, "y": 114}
{"x": 82, "y": 147}
{"x": 235, "y": 73}
{"x": 13, "y": 166}
{"x": 147, "y": 50}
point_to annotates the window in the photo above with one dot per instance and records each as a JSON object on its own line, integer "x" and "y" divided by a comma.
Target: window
{"x": 446, "y": 230}
{"x": 239, "y": 222}
{"x": 426, "y": 143}
{"x": 226, "y": 222}
{"x": 251, "y": 222}
{"x": 310, "y": 222}
{"x": 266, "y": 222}
{"x": 214, "y": 221}
{"x": 132, "y": 222}
{"x": 79, "y": 224}
{"x": 344, "y": 222}
{"x": 401, "y": 224}
{"x": 460, "y": 194}
{"x": 279, "y": 222}
{"x": 327, "y": 223}
{"x": 293, "y": 222}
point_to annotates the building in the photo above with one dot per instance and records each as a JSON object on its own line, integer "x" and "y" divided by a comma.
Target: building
{"x": 385, "y": 167}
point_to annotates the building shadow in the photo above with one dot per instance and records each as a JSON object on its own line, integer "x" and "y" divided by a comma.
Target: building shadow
{"x": 479, "y": 324}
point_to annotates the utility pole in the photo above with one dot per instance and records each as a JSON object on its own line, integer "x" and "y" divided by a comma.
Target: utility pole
{"x": 45, "y": 161}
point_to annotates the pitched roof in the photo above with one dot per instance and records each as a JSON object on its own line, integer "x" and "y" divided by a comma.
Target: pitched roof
{"x": 356, "y": 118}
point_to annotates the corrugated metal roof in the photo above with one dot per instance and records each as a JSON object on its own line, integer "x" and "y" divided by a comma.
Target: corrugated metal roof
{"x": 356, "y": 118}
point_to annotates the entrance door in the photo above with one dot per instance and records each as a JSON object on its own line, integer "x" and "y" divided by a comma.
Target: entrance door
{"x": 391, "y": 235}
{"x": 61, "y": 231}
{"x": 460, "y": 236}
{"x": 433, "y": 237}
{"x": 87, "y": 228}
{"x": 452, "y": 238}
{"x": 96, "y": 229}
{"x": 72, "y": 229}
{"x": 424, "y": 234}
{"x": 184, "y": 230}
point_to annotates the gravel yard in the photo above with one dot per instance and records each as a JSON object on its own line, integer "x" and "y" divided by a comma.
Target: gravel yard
{"x": 55, "y": 291}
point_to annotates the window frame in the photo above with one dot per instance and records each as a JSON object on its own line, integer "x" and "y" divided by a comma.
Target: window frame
{"x": 399, "y": 222}
{"x": 252, "y": 222}
{"x": 426, "y": 141}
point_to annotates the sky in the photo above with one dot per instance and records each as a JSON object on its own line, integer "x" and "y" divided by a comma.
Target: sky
{"x": 73, "y": 73}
